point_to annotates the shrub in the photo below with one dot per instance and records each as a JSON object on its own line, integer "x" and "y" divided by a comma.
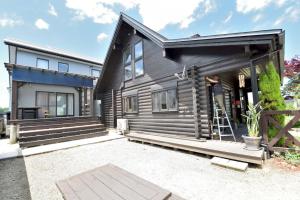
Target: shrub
{"x": 271, "y": 98}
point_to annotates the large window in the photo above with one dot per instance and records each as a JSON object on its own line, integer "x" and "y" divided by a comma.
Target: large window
{"x": 164, "y": 100}
{"x": 63, "y": 67}
{"x": 42, "y": 63}
{"x": 138, "y": 59}
{"x": 96, "y": 73}
{"x": 130, "y": 104}
{"x": 127, "y": 64}
{"x": 53, "y": 104}
{"x": 133, "y": 61}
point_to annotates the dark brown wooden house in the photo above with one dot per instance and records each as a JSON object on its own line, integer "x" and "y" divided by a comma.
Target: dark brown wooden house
{"x": 138, "y": 81}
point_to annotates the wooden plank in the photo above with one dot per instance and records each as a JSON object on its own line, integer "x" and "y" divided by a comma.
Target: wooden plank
{"x": 99, "y": 188}
{"x": 66, "y": 190}
{"x": 82, "y": 190}
{"x": 116, "y": 186}
{"x": 225, "y": 149}
{"x": 133, "y": 184}
{"x": 161, "y": 193}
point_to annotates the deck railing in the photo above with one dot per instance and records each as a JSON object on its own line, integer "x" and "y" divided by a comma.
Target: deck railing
{"x": 267, "y": 118}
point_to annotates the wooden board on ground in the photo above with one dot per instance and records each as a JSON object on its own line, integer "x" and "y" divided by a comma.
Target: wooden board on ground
{"x": 232, "y": 164}
{"x": 112, "y": 183}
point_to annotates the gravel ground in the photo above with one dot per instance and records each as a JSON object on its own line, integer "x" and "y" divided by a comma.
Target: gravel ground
{"x": 190, "y": 176}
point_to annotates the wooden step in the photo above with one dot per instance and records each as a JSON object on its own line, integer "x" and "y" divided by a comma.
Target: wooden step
{"x": 52, "y": 121}
{"x": 61, "y": 139}
{"x": 58, "y": 130}
{"x": 60, "y": 134}
{"x": 56, "y": 125}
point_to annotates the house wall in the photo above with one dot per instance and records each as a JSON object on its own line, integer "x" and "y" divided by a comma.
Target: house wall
{"x": 27, "y": 94}
{"x": 30, "y": 58}
{"x": 190, "y": 119}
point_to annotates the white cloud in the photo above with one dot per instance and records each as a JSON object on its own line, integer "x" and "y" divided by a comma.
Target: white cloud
{"x": 10, "y": 21}
{"x": 257, "y": 17}
{"x": 291, "y": 14}
{"x": 228, "y": 18}
{"x": 52, "y": 10}
{"x": 245, "y": 6}
{"x": 98, "y": 10}
{"x": 41, "y": 24}
{"x": 101, "y": 36}
{"x": 154, "y": 15}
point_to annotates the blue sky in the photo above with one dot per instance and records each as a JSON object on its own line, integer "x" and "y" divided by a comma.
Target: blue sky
{"x": 85, "y": 27}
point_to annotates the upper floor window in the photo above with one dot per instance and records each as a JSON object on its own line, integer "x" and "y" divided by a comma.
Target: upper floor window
{"x": 42, "y": 63}
{"x": 95, "y": 73}
{"x": 133, "y": 61}
{"x": 164, "y": 100}
{"x": 138, "y": 59}
{"x": 63, "y": 67}
{"x": 127, "y": 64}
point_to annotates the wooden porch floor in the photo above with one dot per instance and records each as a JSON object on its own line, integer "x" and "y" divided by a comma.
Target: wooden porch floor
{"x": 224, "y": 149}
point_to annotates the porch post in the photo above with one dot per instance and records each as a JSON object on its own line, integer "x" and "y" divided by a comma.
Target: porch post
{"x": 254, "y": 83}
{"x": 195, "y": 110}
{"x": 14, "y": 101}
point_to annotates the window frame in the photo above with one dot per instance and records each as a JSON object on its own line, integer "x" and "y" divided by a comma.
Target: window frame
{"x": 135, "y": 60}
{"x": 126, "y": 64}
{"x": 124, "y": 99}
{"x": 48, "y": 96}
{"x": 36, "y": 64}
{"x": 98, "y": 70}
{"x": 160, "y": 92}
{"x": 65, "y": 64}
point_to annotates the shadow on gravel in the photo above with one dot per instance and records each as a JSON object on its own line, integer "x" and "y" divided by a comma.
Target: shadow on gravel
{"x": 13, "y": 180}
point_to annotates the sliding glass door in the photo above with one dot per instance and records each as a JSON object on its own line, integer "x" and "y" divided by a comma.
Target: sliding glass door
{"x": 61, "y": 104}
{"x": 53, "y": 104}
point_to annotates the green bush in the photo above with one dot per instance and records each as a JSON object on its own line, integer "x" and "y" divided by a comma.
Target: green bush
{"x": 271, "y": 98}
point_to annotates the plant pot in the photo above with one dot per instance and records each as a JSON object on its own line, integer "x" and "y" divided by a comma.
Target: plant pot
{"x": 252, "y": 143}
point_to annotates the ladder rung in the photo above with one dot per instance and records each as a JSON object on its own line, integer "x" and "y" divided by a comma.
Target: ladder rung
{"x": 224, "y": 126}
{"x": 227, "y": 135}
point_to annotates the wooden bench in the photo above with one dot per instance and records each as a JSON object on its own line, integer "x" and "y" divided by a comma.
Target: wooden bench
{"x": 110, "y": 182}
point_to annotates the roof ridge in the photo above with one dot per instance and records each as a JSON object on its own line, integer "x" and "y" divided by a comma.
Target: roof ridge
{"x": 28, "y": 45}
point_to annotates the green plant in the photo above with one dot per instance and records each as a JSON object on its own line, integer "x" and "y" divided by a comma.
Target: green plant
{"x": 271, "y": 98}
{"x": 292, "y": 157}
{"x": 252, "y": 119}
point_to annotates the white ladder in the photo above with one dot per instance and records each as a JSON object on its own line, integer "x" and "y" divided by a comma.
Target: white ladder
{"x": 222, "y": 125}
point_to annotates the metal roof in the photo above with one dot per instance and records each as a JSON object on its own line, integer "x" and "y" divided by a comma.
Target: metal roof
{"x": 242, "y": 38}
{"x": 52, "y": 51}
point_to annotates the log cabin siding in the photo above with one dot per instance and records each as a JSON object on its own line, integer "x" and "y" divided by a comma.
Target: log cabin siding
{"x": 172, "y": 122}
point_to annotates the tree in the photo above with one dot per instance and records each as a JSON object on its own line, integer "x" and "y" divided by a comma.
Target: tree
{"x": 270, "y": 97}
{"x": 292, "y": 72}
{"x": 3, "y": 110}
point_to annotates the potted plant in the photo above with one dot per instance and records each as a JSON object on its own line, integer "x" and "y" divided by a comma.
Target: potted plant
{"x": 253, "y": 139}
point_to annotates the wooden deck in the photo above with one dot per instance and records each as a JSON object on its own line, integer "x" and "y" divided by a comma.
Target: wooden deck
{"x": 224, "y": 149}
{"x": 110, "y": 182}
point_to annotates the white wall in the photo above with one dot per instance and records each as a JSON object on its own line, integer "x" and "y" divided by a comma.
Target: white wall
{"x": 29, "y": 59}
{"x": 27, "y": 94}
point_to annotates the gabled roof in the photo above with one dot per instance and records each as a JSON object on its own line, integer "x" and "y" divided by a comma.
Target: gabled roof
{"x": 50, "y": 51}
{"x": 241, "y": 38}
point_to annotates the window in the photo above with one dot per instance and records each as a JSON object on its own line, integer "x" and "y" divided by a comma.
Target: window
{"x": 138, "y": 59}
{"x": 135, "y": 68}
{"x": 127, "y": 65}
{"x": 61, "y": 104}
{"x": 55, "y": 104}
{"x": 95, "y": 73}
{"x": 42, "y": 63}
{"x": 165, "y": 100}
{"x": 63, "y": 67}
{"x": 130, "y": 104}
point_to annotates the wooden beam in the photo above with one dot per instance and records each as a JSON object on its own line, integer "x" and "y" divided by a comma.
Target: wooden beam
{"x": 254, "y": 83}
{"x": 14, "y": 100}
{"x": 195, "y": 110}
